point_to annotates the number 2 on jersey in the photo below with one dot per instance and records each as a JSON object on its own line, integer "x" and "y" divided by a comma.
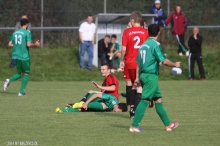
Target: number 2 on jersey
{"x": 137, "y": 39}
{"x": 143, "y": 55}
{"x": 18, "y": 39}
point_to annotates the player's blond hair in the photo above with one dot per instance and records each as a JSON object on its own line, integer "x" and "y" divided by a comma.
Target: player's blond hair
{"x": 137, "y": 16}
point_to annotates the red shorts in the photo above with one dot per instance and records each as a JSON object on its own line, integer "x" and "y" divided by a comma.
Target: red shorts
{"x": 129, "y": 74}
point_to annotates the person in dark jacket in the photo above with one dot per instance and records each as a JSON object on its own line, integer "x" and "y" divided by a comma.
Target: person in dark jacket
{"x": 159, "y": 20}
{"x": 179, "y": 26}
{"x": 104, "y": 49}
{"x": 195, "y": 45}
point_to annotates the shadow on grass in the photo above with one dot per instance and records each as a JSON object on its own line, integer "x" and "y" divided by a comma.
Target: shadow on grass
{"x": 12, "y": 93}
{"x": 112, "y": 114}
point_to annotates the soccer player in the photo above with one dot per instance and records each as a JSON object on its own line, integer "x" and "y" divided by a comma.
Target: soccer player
{"x": 97, "y": 102}
{"x": 132, "y": 39}
{"x": 21, "y": 41}
{"x": 150, "y": 55}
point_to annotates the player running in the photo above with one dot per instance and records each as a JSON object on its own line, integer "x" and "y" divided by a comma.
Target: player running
{"x": 150, "y": 55}
{"x": 21, "y": 41}
{"x": 132, "y": 39}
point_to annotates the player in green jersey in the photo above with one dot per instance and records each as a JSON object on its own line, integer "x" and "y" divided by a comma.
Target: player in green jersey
{"x": 150, "y": 57}
{"x": 96, "y": 102}
{"x": 21, "y": 41}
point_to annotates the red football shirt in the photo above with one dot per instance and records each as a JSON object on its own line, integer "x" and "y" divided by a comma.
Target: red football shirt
{"x": 109, "y": 81}
{"x": 132, "y": 39}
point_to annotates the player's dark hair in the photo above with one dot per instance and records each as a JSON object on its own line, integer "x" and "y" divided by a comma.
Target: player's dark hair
{"x": 24, "y": 22}
{"x": 107, "y": 36}
{"x": 106, "y": 64}
{"x": 123, "y": 107}
{"x": 153, "y": 30}
{"x": 142, "y": 22}
{"x": 89, "y": 15}
{"x": 137, "y": 16}
{"x": 114, "y": 36}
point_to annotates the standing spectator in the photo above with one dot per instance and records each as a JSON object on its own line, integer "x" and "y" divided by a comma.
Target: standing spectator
{"x": 18, "y": 26}
{"x": 179, "y": 26}
{"x": 103, "y": 49}
{"x": 195, "y": 46}
{"x": 87, "y": 35}
{"x": 159, "y": 20}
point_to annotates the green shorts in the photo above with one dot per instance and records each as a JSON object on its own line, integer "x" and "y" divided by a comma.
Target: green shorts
{"x": 23, "y": 66}
{"x": 95, "y": 100}
{"x": 150, "y": 86}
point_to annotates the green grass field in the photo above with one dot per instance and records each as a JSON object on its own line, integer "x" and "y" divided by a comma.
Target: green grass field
{"x": 195, "y": 105}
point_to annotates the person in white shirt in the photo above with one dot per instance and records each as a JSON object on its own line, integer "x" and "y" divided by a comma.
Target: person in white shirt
{"x": 87, "y": 35}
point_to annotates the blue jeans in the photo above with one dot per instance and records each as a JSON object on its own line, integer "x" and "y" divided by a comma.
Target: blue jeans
{"x": 87, "y": 46}
{"x": 102, "y": 56}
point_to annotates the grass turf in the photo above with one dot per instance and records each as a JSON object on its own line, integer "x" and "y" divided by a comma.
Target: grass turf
{"x": 195, "y": 105}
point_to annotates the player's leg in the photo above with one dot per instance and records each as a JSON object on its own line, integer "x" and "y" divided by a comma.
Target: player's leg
{"x": 179, "y": 44}
{"x": 118, "y": 55}
{"x": 200, "y": 65}
{"x": 191, "y": 61}
{"x": 81, "y": 102}
{"x": 15, "y": 76}
{"x": 149, "y": 88}
{"x": 81, "y": 55}
{"x": 26, "y": 69}
{"x": 182, "y": 44}
{"x": 128, "y": 86}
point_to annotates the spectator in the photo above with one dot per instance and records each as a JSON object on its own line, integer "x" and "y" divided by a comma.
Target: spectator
{"x": 115, "y": 51}
{"x": 159, "y": 20}
{"x": 18, "y": 26}
{"x": 179, "y": 26}
{"x": 104, "y": 49}
{"x": 86, "y": 34}
{"x": 195, "y": 45}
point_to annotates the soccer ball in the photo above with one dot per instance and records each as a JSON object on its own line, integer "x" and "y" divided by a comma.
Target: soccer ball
{"x": 176, "y": 70}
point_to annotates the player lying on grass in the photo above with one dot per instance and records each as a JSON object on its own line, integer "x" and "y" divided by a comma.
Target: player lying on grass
{"x": 108, "y": 93}
{"x": 96, "y": 102}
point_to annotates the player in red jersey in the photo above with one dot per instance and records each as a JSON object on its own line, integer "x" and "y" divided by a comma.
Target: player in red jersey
{"x": 132, "y": 39}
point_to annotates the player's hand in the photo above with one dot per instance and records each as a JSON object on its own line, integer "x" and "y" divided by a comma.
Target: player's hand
{"x": 177, "y": 64}
{"x": 85, "y": 106}
{"x": 122, "y": 65}
{"x": 95, "y": 84}
{"x": 137, "y": 82}
{"x": 37, "y": 43}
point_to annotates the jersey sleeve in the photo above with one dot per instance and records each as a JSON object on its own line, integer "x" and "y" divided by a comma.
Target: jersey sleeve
{"x": 160, "y": 57}
{"x": 81, "y": 27}
{"x": 124, "y": 39}
{"x": 116, "y": 46}
{"x": 29, "y": 37}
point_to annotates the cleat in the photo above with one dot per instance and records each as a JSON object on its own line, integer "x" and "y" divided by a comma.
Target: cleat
{"x": 151, "y": 104}
{"x": 69, "y": 105}
{"x": 191, "y": 79}
{"x": 131, "y": 113}
{"x": 187, "y": 53}
{"x": 132, "y": 129}
{"x": 21, "y": 94}
{"x": 172, "y": 126}
{"x": 180, "y": 54}
{"x": 78, "y": 104}
{"x": 58, "y": 110}
{"x": 123, "y": 94}
{"x": 6, "y": 84}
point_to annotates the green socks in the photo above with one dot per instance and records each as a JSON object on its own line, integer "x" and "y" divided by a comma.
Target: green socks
{"x": 15, "y": 77}
{"x": 118, "y": 61}
{"x": 139, "y": 113}
{"x": 24, "y": 83}
{"x": 162, "y": 114}
{"x": 70, "y": 109}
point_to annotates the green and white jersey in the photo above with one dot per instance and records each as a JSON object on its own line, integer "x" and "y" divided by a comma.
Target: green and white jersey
{"x": 109, "y": 101}
{"x": 20, "y": 49}
{"x": 116, "y": 47}
{"x": 149, "y": 56}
